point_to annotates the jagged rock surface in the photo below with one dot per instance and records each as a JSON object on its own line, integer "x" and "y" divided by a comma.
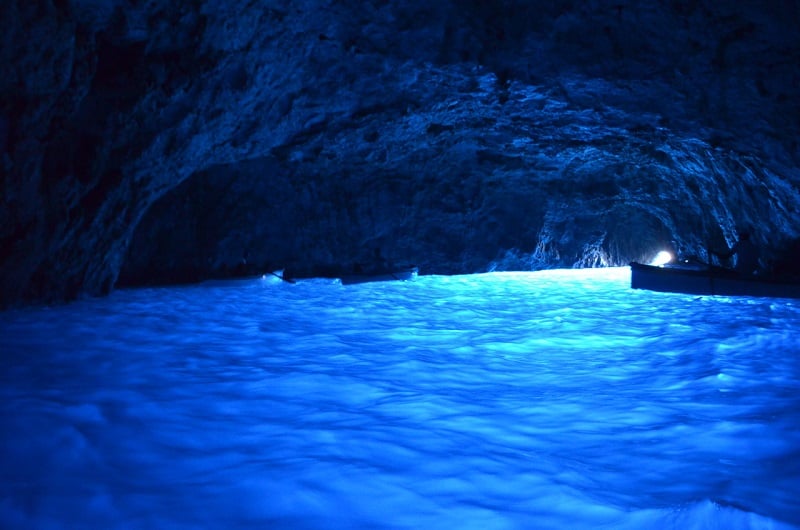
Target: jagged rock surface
{"x": 459, "y": 135}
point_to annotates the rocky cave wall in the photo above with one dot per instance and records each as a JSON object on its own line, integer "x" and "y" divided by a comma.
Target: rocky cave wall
{"x": 458, "y": 135}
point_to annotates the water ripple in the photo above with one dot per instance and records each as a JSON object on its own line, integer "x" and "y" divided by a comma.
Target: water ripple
{"x": 558, "y": 399}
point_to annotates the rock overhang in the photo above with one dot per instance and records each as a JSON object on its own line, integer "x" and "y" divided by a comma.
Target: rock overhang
{"x": 481, "y": 131}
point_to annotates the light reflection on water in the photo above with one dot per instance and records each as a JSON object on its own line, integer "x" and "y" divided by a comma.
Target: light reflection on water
{"x": 558, "y": 399}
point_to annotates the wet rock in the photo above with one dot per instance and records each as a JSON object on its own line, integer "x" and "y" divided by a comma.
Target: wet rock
{"x": 461, "y": 136}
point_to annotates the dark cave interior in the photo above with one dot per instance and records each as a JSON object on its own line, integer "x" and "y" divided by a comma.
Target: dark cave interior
{"x": 160, "y": 142}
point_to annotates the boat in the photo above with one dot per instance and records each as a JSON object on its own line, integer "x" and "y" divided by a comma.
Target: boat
{"x": 704, "y": 279}
{"x": 381, "y": 275}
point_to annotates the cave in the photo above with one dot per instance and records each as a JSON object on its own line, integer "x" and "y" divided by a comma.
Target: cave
{"x": 185, "y": 185}
{"x": 151, "y": 143}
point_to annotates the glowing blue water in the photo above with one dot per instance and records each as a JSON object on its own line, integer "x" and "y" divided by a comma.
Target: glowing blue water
{"x": 558, "y": 399}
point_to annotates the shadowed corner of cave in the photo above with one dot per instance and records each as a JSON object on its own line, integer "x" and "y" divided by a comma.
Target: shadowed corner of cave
{"x": 160, "y": 143}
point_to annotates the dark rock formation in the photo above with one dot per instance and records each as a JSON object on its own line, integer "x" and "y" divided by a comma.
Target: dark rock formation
{"x": 459, "y": 135}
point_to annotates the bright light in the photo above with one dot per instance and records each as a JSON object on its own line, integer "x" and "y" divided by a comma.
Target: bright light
{"x": 662, "y": 258}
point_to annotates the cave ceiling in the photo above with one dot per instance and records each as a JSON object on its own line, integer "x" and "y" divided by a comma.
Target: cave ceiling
{"x": 152, "y": 141}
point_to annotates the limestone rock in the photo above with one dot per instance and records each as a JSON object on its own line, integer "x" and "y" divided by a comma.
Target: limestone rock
{"x": 459, "y": 135}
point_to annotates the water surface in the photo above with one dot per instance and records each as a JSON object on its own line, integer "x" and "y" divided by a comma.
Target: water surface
{"x": 556, "y": 399}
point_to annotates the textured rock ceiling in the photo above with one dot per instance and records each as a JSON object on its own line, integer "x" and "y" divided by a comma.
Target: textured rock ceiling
{"x": 166, "y": 140}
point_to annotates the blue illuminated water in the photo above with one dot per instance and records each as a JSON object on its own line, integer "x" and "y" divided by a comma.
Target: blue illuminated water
{"x": 558, "y": 399}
